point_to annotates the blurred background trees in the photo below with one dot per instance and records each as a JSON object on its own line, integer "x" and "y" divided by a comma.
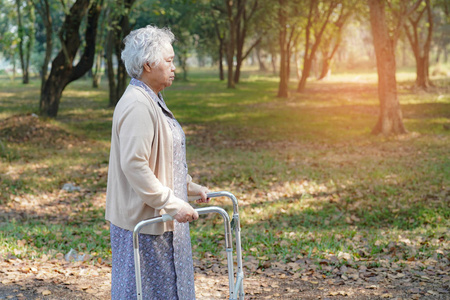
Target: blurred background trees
{"x": 61, "y": 41}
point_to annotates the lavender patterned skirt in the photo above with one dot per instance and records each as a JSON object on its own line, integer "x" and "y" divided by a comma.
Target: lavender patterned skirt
{"x": 160, "y": 265}
{"x": 158, "y": 270}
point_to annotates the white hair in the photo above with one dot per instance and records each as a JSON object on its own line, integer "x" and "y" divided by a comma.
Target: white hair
{"x": 143, "y": 46}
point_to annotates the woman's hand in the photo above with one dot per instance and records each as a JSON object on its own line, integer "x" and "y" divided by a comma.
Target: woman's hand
{"x": 186, "y": 214}
{"x": 204, "y": 198}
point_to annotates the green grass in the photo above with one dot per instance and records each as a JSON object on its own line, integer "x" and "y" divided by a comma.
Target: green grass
{"x": 310, "y": 179}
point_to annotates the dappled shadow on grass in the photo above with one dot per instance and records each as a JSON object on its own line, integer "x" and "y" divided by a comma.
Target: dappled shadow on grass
{"x": 326, "y": 111}
{"x": 18, "y": 98}
{"x": 325, "y": 212}
{"x": 306, "y": 171}
{"x": 426, "y": 111}
{"x": 55, "y": 222}
{"x": 30, "y": 130}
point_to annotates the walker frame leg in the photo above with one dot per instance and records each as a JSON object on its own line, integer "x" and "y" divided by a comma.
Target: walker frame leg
{"x": 236, "y": 289}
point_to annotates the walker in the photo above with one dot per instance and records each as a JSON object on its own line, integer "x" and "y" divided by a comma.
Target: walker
{"x": 236, "y": 288}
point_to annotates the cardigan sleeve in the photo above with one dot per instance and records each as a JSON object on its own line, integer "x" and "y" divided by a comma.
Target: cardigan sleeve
{"x": 193, "y": 189}
{"x": 136, "y": 133}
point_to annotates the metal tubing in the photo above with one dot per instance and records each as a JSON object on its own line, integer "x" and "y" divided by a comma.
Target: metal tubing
{"x": 237, "y": 230}
{"x": 137, "y": 266}
{"x": 225, "y": 194}
{"x": 201, "y": 211}
{"x": 226, "y": 219}
{"x": 228, "y": 242}
{"x": 137, "y": 257}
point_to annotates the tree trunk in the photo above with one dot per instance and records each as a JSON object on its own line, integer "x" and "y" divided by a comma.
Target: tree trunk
{"x": 63, "y": 72}
{"x": 222, "y": 45}
{"x": 230, "y": 78}
{"x": 221, "y": 75}
{"x": 100, "y": 49}
{"x": 421, "y": 54}
{"x": 283, "y": 87}
{"x": 390, "y": 118}
{"x": 21, "y": 34}
{"x": 122, "y": 74}
{"x": 240, "y": 38}
{"x": 327, "y": 57}
{"x": 97, "y": 74}
{"x": 325, "y": 69}
{"x": 14, "y": 69}
{"x": 115, "y": 45}
{"x": 30, "y": 40}
{"x": 262, "y": 66}
{"x": 26, "y": 74}
{"x": 298, "y": 72}
{"x": 307, "y": 65}
{"x": 43, "y": 9}
{"x": 273, "y": 60}
{"x": 113, "y": 99}
{"x": 231, "y": 43}
{"x": 310, "y": 50}
{"x": 182, "y": 58}
{"x": 48, "y": 43}
{"x": 422, "y": 75}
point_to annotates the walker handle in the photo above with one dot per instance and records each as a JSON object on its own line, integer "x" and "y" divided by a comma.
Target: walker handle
{"x": 198, "y": 197}
{"x": 194, "y": 198}
{"x": 166, "y": 217}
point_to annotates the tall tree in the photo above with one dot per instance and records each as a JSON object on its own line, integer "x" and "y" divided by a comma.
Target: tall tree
{"x": 221, "y": 36}
{"x": 63, "y": 71}
{"x": 332, "y": 36}
{"x": 419, "y": 33}
{"x": 243, "y": 26}
{"x": 289, "y": 32}
{"x": 390, "y": 118}
{"x": 319, "y": 13}
{"x": 26, "y": 36}
{"x": 99, "y": 50}
{"x": 119, "y": 28}
{"x": 44, "y": 9}
{"x": 241, "y": 16}
{"x": 234, "y": 11}
{"x": 211, "y": 34}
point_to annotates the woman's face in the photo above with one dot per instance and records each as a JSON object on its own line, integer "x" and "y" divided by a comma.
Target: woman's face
{"x": 163, "y": 74}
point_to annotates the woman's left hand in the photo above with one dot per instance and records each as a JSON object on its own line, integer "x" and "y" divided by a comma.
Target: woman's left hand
{"x": 204, "y": 198}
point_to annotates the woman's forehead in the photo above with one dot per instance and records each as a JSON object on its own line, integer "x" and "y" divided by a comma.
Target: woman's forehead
{"x": 167, "y": 50}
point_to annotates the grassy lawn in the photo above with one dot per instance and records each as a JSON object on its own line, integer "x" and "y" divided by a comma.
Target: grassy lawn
{"x": 311, "y": 180}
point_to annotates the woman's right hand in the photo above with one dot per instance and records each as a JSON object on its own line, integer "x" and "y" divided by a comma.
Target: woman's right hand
{"x": 186, "y": 214}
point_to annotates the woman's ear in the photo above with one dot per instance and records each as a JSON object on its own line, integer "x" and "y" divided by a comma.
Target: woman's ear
{"x": 147, "y": 67}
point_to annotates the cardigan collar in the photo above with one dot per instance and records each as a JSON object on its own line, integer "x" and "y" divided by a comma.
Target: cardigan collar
{"x": 157, "y": 98}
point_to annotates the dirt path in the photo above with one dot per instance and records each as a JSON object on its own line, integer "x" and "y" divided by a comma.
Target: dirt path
{"x": 57, "y": 279}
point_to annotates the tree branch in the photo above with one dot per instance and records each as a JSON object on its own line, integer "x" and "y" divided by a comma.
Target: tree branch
{"x": 251, "y": 48}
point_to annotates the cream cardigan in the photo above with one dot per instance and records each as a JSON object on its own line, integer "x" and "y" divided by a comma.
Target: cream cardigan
{"x": 140, "y": 175}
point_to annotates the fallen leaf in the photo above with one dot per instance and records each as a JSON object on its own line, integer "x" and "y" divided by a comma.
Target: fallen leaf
{"x": 372, "y": 287}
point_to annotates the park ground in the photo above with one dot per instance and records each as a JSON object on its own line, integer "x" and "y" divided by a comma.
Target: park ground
{"x": 328, "y": 211}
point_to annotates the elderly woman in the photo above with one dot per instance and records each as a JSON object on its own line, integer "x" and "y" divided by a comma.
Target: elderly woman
{"x": 148, "y": 176}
